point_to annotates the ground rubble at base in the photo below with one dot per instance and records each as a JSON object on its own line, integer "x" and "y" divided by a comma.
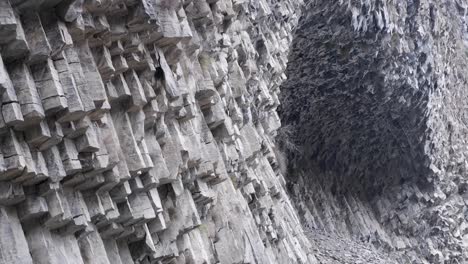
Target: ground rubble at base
{"x": 330, "y": 248}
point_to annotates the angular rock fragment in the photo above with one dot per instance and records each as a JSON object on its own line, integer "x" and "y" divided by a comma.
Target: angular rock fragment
{"x": 26, "y": 90}
{"x": 49, "y": 87}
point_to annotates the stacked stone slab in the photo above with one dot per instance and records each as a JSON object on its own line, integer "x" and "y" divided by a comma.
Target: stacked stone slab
{"x": 140, "y": 131}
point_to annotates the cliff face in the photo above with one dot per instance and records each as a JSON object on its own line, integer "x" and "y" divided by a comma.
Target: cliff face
{"x": 140, "y": 131}
{"x": 146, "y": 131}
{"x": 375, "y": 124}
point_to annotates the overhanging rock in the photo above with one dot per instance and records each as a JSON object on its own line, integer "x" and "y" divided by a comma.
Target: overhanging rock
{"x": 376, "y": 101}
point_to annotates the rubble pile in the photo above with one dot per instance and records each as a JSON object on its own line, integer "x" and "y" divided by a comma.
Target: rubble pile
{"x": 141, "y": 131}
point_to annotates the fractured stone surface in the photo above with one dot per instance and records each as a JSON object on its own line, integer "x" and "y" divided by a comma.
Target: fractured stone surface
{"x": 140, "y": 131}
{"x": 374, "y": 116}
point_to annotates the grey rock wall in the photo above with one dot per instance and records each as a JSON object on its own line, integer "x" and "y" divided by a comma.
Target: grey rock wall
{"x": 374, "y": 115}
{"x": 141, "y": 131}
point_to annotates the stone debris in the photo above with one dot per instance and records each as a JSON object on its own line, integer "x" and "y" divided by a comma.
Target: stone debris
{"x": 141, "y": 131}
{"x": 330, "y": 248}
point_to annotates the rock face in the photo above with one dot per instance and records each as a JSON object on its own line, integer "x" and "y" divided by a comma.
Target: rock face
{"x": 375, "y": 124}
{"x": 141, "y": 131}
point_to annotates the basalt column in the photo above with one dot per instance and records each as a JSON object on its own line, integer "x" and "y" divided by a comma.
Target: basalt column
{"x": 375, "y": 124}
{"x": 141, "y": 131}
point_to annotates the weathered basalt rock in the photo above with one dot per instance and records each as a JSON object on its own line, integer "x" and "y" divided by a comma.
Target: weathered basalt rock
{"x": 141, "y": 131}
{"x": 375, "y": 102}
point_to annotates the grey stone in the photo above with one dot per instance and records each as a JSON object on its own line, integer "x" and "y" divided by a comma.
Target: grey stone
{"x": 141, "y": 131}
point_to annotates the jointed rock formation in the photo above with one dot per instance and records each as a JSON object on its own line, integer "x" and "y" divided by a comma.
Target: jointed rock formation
{"x": 141, "y": 131}
{"x": 376, "y": 103}
{"x": 147, "y": 132}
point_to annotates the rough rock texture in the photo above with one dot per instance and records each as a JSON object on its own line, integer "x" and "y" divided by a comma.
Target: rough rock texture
{"x": 330, "y": 248}
{"x": 140, "y": 131}
{"x": 375, "y": 124}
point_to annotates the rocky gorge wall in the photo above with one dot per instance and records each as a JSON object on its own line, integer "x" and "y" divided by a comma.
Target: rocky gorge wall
{"x": 141, "y": 131}
{"x": 374, "y": 124}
